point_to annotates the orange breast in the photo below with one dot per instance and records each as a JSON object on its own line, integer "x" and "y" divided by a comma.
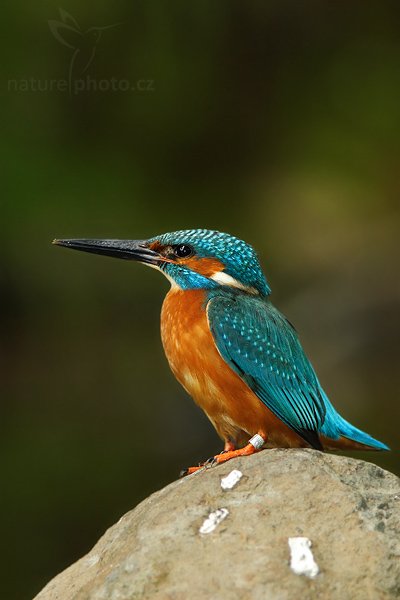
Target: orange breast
{"x": 232, "y": 407}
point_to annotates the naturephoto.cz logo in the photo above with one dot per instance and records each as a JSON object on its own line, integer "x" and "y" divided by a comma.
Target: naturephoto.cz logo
{"x": 82, "y": 45}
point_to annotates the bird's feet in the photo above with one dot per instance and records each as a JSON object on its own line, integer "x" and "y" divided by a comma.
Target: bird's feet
{"x": 255, "y": 444}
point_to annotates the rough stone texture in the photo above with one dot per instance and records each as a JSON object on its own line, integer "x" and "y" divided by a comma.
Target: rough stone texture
{"x": 349, "y": 509}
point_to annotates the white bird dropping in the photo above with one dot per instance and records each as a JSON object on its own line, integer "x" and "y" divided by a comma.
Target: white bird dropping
{"x": 301, "y": 558}
{"x": 228, "y": 482}
{"x": 213, "y": 520}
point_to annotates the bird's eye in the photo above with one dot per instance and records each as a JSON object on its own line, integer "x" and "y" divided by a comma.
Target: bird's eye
{"x": 183, "y": 251}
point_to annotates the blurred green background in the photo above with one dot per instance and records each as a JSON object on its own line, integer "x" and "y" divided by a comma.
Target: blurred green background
{"x": 276, "y": 121}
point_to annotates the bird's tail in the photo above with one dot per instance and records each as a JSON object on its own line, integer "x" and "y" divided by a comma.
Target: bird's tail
{"x": 350, "y": 432}
{"x": 336, "y": 428}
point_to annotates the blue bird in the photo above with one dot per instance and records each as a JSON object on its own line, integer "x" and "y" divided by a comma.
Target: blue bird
{"x": 237, "y": 356}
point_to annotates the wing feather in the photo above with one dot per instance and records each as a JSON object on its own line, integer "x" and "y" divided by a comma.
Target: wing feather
{"x": 256, "y": 340}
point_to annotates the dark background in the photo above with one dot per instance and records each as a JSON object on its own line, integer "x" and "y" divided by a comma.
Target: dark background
{"x": 276, "y": 121}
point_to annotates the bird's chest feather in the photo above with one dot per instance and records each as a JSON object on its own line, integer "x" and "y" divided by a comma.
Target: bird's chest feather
{"x": 187, "y": 341}
{"x": 197, "y": 364}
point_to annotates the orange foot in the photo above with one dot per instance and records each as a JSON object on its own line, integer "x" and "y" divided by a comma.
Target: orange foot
{"x": 255, "y": 445}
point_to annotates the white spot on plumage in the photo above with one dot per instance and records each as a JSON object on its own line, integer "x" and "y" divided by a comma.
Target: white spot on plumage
{"x": 225, "y": 279}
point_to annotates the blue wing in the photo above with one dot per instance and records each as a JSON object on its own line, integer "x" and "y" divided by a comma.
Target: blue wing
{"x": 256, "y": 340}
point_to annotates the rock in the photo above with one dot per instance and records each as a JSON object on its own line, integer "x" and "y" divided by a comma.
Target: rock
{"x": 195, "y": 540}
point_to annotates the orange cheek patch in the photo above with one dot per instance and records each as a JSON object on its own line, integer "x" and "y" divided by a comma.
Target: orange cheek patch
{"x": 204, "y": 266}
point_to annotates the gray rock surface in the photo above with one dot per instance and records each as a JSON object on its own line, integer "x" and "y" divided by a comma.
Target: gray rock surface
{"x": 349, "y": 510}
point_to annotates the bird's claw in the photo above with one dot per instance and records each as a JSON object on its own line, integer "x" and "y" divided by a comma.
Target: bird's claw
{"x": 191, "y": 470}
{"x": 207, "y": 464}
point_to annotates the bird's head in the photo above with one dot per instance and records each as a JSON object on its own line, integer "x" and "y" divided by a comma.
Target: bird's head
{"x": 190, "y": 259}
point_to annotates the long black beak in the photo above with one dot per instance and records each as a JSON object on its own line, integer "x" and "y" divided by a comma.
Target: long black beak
{"x": 126, "y": 249}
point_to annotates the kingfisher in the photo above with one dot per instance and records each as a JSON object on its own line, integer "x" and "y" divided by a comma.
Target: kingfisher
{"x": 237, "y": 356}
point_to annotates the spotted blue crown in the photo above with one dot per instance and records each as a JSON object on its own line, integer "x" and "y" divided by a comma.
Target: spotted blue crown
{"x": 240, "y": 259}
